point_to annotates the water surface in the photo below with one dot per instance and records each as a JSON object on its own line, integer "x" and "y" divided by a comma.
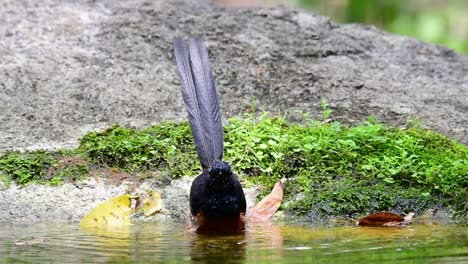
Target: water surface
{"x": 169, "y": 243}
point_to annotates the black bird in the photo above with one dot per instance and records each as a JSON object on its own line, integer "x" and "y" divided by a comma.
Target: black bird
{"x": 217, "y": 201}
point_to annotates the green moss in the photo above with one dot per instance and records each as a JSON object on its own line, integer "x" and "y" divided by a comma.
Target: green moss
{"x": 340, "y": 170}
{"x": 166, "y": 147}
{"x": 70, "y": 168}
{"x": 331, "y": 169}
{"x": 25, "y": 167}
{"x": 42, "y": 167}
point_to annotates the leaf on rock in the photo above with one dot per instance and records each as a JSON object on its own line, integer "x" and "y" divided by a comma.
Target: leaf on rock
{"x": 386, "y": 219}
{"x": 152, "y": 203}
{"x": 268, "y": 206}
{"x": 113, "y": 212}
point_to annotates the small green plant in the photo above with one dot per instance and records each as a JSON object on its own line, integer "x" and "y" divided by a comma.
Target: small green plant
{"x": 326, "y": 111}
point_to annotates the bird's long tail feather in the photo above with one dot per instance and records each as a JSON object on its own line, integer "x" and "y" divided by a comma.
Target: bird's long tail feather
{"x": 201, "y": 100}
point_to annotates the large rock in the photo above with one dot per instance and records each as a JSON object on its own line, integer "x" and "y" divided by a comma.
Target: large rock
{"x": 68, "y": 67}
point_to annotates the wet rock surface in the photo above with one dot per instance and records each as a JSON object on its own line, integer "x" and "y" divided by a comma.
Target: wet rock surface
{"x": 70, "y": 67}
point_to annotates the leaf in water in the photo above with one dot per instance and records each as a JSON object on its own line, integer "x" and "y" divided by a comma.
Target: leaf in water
{"x": 152, "y": 203}
{"x": 385, "y": 219}
{"x": 268, "y": 206}
{"x": 113, "y": 212}
{"x": 30, "y": 242}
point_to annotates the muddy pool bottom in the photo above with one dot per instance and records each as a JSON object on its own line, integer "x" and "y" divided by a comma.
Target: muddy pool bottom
{"x": 168, "y": 243}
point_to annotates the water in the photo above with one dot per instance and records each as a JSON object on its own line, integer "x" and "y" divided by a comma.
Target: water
{"x": 168, "y": 243}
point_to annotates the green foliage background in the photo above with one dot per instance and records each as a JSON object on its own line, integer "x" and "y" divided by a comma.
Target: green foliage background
{"x": 440, "y": 22}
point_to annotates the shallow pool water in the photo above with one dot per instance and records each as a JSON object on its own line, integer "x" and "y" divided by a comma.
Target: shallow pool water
{"x": 169, "y": 243}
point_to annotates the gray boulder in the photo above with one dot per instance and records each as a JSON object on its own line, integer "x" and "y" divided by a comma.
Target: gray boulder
{"x": 69, "y": 67}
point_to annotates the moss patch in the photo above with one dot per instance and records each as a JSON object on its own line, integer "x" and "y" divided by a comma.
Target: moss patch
{"x": 332, "y": 170}
{"x": 25, "y": 167}
{"x": 166, "y": 147}
{"x": 338, "y": 170}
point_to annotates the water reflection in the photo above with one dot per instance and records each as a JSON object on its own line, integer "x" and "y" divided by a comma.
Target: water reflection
{"x": 169, "y": 243}
{"x": 114, "y": 243}
{"x": 217, "y": 249}
{"x": 233, "y": 248}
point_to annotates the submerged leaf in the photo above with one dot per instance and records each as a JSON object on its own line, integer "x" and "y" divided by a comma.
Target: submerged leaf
{"x": 268, "y": 206}
{"x": 113, "y": 212}
{"x": 34, "y": 241}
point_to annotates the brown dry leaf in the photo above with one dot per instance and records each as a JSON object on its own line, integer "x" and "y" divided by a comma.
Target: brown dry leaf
{"x": 386, "y": 219}
{"x": 268, "y": 206}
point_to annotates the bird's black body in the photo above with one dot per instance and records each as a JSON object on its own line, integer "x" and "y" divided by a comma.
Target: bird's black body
{"x": 216, "y": 196}
{"x": 217, "y": 193}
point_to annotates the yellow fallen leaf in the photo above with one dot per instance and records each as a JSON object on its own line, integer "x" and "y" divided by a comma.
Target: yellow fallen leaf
{"x": 152, "y": 203}
{"x": 113, "y": 212}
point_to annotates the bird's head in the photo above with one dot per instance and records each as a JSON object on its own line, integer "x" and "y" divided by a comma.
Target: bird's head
{"x": 219, "y": 169}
